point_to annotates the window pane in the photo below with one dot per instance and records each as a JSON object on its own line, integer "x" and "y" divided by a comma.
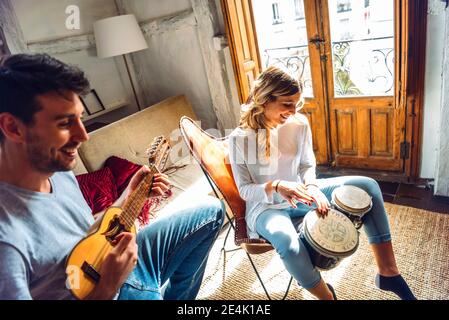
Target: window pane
{"x": 362, "y": 35}
{"x": 284, "y": 44}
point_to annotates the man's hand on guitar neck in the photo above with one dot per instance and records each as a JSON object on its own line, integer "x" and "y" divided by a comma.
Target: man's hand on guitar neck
{"x": 160, "y": 185}
{"x": 116, "y": 267}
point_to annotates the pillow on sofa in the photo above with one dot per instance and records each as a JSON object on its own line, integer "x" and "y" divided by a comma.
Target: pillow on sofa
{"x": 98, "y": 188}
{"x": 123, "y": 170}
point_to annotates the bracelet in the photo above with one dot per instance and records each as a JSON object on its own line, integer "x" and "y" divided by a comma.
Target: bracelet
{"x": 276, "y": 186}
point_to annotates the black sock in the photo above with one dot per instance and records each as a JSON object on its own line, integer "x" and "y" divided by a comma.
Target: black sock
{"x": 395, "y": 284}
{"x": 332, "y": 291}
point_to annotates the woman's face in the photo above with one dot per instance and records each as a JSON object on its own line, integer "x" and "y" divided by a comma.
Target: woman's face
{"x": 278, "y": 111}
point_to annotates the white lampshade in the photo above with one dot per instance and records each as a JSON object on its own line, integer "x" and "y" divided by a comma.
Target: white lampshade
{"x": 118, "y": 35}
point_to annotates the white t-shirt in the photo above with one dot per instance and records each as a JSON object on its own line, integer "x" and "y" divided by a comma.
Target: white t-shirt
{"x": 291, "y": 159}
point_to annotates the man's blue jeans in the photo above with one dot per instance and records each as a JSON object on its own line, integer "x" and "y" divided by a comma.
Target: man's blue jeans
{"x": 173, "y": 252}
{"x": 276, "y": 226}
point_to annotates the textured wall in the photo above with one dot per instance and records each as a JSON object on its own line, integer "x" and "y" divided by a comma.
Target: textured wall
{"x": 42, "y": 24}
{"x": 432, "y": 88}
{"x": 182, "y": 58}
{"x": 173, "y": 62}
{"x": 442, "y": 172}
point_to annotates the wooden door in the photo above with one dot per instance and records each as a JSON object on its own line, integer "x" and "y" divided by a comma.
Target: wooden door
{"x": 366, "y": 113}
{"x": 355, "y": 84}
{"x": 243, "y": 43}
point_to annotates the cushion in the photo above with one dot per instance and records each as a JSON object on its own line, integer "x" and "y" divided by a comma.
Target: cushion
{"x": 123, "y": 170}
{"x": 98, "y": 188}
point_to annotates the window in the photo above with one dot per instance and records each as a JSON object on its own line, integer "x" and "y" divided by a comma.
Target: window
{"x": 343, "y": 5}
{"x": 276, "y": 16}
{"x": 299, "y": 9}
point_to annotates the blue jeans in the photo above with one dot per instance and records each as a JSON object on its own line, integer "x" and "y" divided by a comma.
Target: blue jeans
{"x": 173, "y": 252}
{"x": 276, "y": 226}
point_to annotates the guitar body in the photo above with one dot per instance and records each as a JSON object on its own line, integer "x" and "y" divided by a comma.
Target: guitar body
{"x": 85, "y": 260}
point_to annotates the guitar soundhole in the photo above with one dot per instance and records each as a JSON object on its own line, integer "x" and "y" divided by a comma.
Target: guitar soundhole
{"x": 114, "y": 229}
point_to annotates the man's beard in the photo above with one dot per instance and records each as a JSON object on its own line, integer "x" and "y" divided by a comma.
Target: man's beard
{"x": 43, "y": 161}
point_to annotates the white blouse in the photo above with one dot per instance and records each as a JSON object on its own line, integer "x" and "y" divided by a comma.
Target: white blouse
{"x": 291, "y": 159}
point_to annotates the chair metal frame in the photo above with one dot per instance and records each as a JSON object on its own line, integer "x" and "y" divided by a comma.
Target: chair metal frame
{"x": 251, "y": 246}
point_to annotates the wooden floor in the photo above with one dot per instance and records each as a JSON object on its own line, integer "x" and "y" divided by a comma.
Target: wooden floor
{"x": 421, "y": 246}
{"x": 414, "y": 196}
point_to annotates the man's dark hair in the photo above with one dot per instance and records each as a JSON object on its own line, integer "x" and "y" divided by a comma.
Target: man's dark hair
{"x": 25, "y": 76}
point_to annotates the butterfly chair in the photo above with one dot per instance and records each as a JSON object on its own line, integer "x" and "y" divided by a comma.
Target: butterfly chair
{"x": 212, "y": 155}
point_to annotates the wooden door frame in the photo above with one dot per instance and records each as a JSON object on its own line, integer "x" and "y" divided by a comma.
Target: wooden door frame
{"x": 410, "y": 92}
{"x": 416, "y": 14}
{"x": 229, "y": 9}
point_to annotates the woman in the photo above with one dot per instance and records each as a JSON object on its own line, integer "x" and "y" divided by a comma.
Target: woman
{"x": 273, "y": 164}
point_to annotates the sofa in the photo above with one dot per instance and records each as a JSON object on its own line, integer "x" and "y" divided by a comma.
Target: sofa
{"x": 129, "y": 138}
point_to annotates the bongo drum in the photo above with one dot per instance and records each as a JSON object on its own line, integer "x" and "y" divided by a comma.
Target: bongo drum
{"x": 328, "y": 239}
{"x": 353, "y": 201}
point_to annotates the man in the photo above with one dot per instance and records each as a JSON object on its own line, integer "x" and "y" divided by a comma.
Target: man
{"x": 43, "y": 214}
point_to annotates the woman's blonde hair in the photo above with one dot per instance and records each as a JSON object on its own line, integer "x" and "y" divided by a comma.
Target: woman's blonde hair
{"x": 270, "y": 84}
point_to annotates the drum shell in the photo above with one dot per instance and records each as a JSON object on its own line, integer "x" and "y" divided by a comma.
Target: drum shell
{"x": 322, "y": 258}
{"x": 318, "y": 259}
{"x": 357, "y": 219}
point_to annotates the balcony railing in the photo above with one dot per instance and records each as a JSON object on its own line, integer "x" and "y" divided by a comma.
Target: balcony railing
{"x": 375, "y": 70}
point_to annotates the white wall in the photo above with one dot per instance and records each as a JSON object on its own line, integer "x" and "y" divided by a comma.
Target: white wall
{"x": 45, "y": 20}
{"x": 432, "y": 89}
{"x": 173, "y": 64}
{"x": 442, "y": 170}
{"x": 150, "y": 9}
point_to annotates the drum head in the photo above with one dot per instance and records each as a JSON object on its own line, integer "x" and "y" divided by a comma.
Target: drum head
{"x": 352, "y": 199}
{"x": 334, "y": 235}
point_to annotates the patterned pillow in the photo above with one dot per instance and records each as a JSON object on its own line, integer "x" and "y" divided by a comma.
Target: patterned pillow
{"x": 123, "y": 170}
{"x": 98, "y": 188}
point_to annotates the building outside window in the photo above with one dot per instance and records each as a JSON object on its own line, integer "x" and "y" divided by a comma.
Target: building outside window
{"x": 343, "y": 5}
{"x": 299, "y": 9}
{"x": 277, "y": 19}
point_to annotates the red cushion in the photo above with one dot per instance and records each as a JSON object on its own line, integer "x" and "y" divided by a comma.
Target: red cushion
{"x": 98, "y": 189}
{"x": 122, "y": 170}
{"x": 116, "y": 174}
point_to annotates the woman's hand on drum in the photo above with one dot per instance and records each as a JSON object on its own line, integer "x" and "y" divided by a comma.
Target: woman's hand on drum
{"x": 319, "y": 198}
{"x": 294, "y": 192}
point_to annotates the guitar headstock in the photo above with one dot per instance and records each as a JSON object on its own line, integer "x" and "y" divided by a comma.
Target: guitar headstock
{"x": 158, "y": 152}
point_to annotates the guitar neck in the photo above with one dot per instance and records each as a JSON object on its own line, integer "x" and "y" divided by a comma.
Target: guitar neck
{"x": 137, "y": 199}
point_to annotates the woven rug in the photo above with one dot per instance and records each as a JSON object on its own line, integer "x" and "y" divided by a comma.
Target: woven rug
{"x": 421, "y": 245}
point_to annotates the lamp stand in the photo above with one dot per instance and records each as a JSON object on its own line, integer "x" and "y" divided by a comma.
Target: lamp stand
{"x": 132, "y": 82}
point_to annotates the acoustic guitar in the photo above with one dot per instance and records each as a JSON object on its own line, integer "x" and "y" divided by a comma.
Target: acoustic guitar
{"x": 86, "y": 258}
